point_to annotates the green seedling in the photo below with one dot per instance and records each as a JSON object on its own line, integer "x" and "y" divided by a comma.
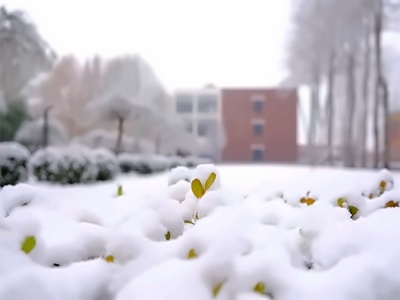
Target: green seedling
{"x": 309, "y": 201}
{"x": 192, "y": 254}
{"x": 342, "y": 202}
{"x": 28, "y": 244}
{"x": 260, "y": 288}
{"x": 197, "y": 187}
{"x": 188, "y": 222}
{"x": 217, "y": 289}
{"x": 109, "y": 258}
{"x": 120, "y": 191}
{"x": 168, "y": 236}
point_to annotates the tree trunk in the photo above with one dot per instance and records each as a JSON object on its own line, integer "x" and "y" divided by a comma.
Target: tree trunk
{"x": 330, "y": 108}
{"x": 120, "y": 134}
{"x": 314, "y": 111}
{"x": 377, "y": 29}
{"x": 45, "y": 138}
{"x": 381, "y": 91}
{"x": 386, "y": 115}
{"x": 365, "y": 100}
{"x": 351, "y": 99}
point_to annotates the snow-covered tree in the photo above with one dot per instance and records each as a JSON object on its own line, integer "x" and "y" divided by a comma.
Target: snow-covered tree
{"x": 23, "y": 53}
{"x": 131, "y": 92}
{"x": 31, "y": 134}
{"x": 332, "y": 48}
{"x": 168, "y": 134}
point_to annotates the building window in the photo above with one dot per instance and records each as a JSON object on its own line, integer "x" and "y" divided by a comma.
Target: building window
{"x": 258, "y": 103}
{"x": 206, "y": 127}
{"x": 189, "y": 126}
{"x": 258, "y": 106}
{"x": 257, "y": 154}
{"x": 258, "y": 128}
{"x": 184, "y": 103}
{"x": 208, "y": 103}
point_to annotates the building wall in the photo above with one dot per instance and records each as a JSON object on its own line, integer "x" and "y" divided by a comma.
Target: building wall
{"x": 278, "y": 117}
{"x": 202, "y": 120}
{"x": 394, "y": 133}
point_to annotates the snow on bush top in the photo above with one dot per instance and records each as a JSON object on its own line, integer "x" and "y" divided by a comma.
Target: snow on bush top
{"x": 221, "y": 245}
{"x": 12, "y": 150}
{"x": 74, "y": 160}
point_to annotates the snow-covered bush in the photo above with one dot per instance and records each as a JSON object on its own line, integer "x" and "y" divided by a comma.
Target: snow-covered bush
{"x": 194, "y": 161}
{"x": 13, "y": 163}
{"x": 176, "y": 161}
{"x": 134, "y": 163}
{"x": 67, "y": 165}
{"x": 107, "y": 164}
{"x": 142, "y": 163}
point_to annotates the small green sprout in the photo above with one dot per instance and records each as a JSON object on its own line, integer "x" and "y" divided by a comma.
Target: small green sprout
{"x": 260, "y": 288}
{"x": 197, "y": 187}
{"x": 309, "y": 201}
{"x": 217, "y": 289}
{"x": 109, "y": 258}
{"x": 28, "y": 244}
{"x": 168, "y": 236}
{"x": 188, "y": 222}
{"x": 342, "y": 202}
{"x": 192, "y": 254}
{"x": 120, "y": 191}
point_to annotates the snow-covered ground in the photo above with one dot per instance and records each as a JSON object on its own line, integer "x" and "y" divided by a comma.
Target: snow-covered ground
{"x": 254, "y": 236}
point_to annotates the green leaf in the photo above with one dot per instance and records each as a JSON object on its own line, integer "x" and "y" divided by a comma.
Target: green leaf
{"x": 353, "y": 210}
{"x": 192, "y": 254}
{"x": 168, "y": 236}
{"x": 260, "y": 288}
{"x": 217, "y": 289}
{"x": 188, "y": 222}
{"x": 28, "y": 244}
{"x": 109, "y": 258}
{"x": 210, "y": 180}
{"x": 341, "y": 201}
{"x": 120, "y": 191}
{"x": 197, "y": 188}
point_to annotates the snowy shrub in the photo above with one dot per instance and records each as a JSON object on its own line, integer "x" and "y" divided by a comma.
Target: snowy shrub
{"x": 194, "y": 161}
{"x": 134, "y": 163}
{"x": 13, "y": 163}
{"x": 176, "y": 161}
{"x": 107, "y": 164}
{"x": 142, "y": 163}
{"x": 69, "y": 165}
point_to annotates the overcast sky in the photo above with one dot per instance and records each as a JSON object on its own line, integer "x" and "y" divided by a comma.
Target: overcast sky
{"x": 189, "y": 43}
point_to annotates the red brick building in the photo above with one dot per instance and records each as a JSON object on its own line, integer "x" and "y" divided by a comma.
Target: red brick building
{"x": 260, "y": 125}
{"x": 394, "y": 133}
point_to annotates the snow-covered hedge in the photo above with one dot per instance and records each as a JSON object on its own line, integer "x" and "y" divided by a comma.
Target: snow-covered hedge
{"x": 188, "y": 161}
{"x": 142, "y": 163}
{"x": 66, "y": 165}
{"x": 13, "y": 163}
{"x": 107, "y": 164}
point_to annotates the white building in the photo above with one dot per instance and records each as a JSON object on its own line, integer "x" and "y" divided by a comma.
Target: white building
{"x": 201, "y": 110}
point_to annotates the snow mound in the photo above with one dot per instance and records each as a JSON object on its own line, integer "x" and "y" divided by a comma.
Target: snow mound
{"x": 195, "y": 237}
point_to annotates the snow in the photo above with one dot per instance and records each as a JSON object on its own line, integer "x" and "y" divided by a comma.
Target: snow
{"x": 250, "y": 231}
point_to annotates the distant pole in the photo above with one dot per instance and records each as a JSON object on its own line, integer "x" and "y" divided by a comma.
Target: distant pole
{"x": 46, "y": 126}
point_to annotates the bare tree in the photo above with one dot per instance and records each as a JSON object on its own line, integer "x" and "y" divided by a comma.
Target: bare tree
{"x": 23, "y": 53}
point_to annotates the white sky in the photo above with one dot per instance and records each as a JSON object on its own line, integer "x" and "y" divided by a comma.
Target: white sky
{"x": 189, "y": 43}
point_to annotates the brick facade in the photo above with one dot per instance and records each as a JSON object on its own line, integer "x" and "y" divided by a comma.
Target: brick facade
{"x": 394, "y": 133}
{"x": 260, "y": 132}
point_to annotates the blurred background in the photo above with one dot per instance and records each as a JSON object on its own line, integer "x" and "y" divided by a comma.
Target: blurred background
{"x": 258, "y": 81}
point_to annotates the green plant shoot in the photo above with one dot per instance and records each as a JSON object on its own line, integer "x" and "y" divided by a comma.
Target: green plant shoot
{"x": 28, "y": 244}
